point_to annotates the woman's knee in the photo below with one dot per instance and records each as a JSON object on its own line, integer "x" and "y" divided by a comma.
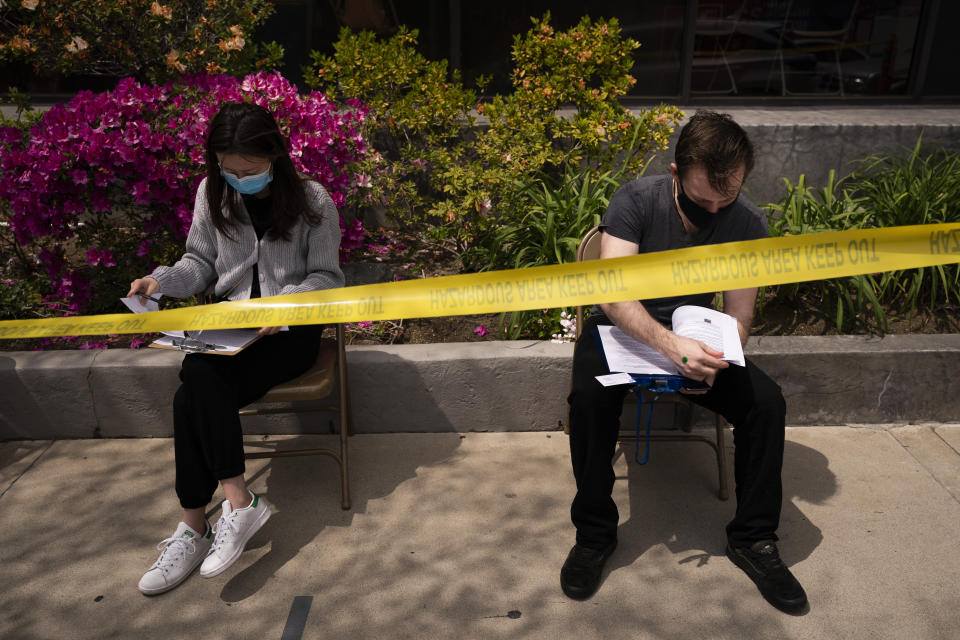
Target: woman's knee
{"x": 181, "y": 400}
{"x": 201, "y": 373}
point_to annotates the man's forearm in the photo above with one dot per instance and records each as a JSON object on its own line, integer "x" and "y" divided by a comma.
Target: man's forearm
{"x": 633, "y": 319}
{"x": 740, "y": 304}
{"x": 744, "y": 331}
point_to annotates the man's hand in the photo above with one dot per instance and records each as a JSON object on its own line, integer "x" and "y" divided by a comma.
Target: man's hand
{"x": 268, "y": 331}
{"x": 694, "y": 359}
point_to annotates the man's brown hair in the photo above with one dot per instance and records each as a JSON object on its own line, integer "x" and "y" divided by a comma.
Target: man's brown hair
{"x": 718, "y": 144}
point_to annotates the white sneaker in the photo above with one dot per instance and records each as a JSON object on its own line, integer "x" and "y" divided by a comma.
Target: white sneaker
{"x": 180, "y": 554}
{"x": 234, "y": 530}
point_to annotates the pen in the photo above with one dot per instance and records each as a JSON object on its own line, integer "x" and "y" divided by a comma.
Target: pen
{"x": 151, "y": 298}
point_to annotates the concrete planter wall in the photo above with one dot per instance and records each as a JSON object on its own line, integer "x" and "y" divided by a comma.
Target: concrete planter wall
{"x": 482, "y": 386}
{"x": 506, "y": 386}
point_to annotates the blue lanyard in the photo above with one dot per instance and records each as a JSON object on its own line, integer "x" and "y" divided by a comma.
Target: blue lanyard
{"x": 640, "y": 400}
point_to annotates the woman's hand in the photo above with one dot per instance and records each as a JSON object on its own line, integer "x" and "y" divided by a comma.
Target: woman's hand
{"x": 268, "y": 331}
{"x": 147, "y": 286}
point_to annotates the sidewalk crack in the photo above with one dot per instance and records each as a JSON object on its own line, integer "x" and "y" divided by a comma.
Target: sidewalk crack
{"x": 29, "y": 466}
{"x": 952, "y": 448}
{"x": 930, "y": 473}
{"x": 883, "y": 390}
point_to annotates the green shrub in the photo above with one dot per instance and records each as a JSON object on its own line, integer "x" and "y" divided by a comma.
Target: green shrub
{"x": 419, "y": 121}
{"x": 146, "y": 39}
{"x": 564, "y": 112}
{"x": 436, "y": 167}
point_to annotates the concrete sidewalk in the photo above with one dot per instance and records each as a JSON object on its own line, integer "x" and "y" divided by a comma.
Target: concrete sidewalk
{"x": 462, "y": 536}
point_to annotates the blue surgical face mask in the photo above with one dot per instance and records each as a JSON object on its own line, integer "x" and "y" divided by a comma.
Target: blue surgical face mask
{"x": 248, "y": 185}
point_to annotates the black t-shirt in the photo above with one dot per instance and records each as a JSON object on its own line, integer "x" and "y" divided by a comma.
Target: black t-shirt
{"x": 260, "y": 211}
{"x": 643, "y": 211}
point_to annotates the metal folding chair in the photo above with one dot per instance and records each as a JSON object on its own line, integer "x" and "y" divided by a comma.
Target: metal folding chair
{"x": 329, "y": 373}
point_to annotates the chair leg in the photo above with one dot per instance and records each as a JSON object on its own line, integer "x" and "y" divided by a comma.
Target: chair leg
{"x": 346, "y": 423}
{"x": 344, "y": 462}
{"x": 722, "y": 493}
{"x": 346, "y": 417}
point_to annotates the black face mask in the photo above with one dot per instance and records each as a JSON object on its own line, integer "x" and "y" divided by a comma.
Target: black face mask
{"x": 697, "y": 215}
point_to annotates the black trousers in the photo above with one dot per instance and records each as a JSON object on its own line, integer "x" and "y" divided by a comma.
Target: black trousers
{"x": 745, "y": 396}
{"x": 208, "y": 441}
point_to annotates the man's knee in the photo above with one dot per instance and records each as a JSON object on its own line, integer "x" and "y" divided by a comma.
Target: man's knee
{"x": 767, "y": 396}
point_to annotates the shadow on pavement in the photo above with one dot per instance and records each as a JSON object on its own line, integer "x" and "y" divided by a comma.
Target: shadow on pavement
{"x": 305, "y": 491}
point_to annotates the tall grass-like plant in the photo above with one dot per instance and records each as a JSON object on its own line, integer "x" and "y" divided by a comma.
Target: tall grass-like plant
{"x": 922, "y": 187}
{"x": 559, "y": 213}
{"x": 558, "y": 216}
{"x": 807, "y": 210}
{"x": 885, "y": 190}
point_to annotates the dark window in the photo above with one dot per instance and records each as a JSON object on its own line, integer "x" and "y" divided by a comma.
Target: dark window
{"x": 804, "y": 47}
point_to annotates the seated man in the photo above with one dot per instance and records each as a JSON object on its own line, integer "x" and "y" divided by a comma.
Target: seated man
{"x": 699, "y": 203}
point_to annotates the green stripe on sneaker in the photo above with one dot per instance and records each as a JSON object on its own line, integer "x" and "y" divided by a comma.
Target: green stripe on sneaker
{"x": 256, "y": 499}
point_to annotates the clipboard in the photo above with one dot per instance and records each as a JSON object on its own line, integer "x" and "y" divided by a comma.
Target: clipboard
{"x": 219, "y": 342}
{"x": 646, "y": 368}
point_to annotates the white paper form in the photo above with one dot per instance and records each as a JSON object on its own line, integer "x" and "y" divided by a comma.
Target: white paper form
{"x": 626, "y": 355}
{"x": 715, "y": 329}
{"x": 615, "y": 379}
{"x": 133, "y": 303}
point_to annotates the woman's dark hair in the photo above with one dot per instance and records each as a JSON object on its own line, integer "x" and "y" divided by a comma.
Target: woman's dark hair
{"x": 250, "y": 130}
{"x": 718, "y": 144}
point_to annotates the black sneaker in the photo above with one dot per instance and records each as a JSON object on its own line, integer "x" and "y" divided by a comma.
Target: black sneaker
{"x": 761, "y": 561}
{"x": 580, "y": 575}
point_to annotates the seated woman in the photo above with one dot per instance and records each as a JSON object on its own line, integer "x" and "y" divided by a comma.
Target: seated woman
{"x": 259, "y": 229}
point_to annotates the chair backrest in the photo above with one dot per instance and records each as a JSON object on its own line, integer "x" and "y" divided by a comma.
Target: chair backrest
{"x": 588, "y": 249}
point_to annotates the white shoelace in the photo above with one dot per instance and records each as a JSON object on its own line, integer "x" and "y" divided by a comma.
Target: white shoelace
{"x": 173, "y": 549}
{"x": 225, "y": 527}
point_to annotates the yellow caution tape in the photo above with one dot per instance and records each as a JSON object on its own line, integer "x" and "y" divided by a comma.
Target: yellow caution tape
{"x": 717, "y": 267}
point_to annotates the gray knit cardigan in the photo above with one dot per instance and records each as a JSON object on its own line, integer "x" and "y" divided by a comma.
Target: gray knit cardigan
{"x": 308, "y": 262}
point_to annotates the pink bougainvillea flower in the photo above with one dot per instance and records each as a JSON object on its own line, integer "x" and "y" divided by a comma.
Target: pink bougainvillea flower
{"x": 481, "y": 330}
{"x": 94, "y": 345}
{"x": 138, "y": 151}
